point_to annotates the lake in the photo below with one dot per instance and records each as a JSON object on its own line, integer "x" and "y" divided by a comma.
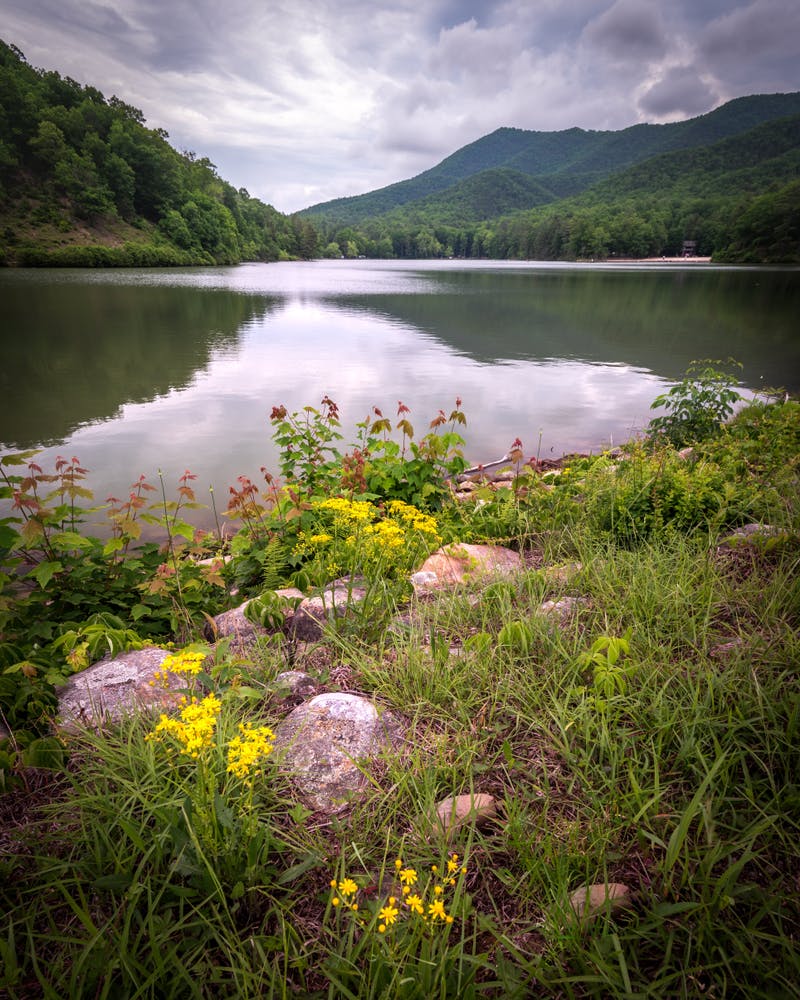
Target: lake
{"x": 138, "y": 370}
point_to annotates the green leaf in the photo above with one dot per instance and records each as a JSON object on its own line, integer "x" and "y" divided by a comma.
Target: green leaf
{"x": 293, "y": 873}
{"x": 113, "y": 545}
{"x": 44, "y": 572}
{"x": 223, "y": 812}
{"x": 139, "y": 611}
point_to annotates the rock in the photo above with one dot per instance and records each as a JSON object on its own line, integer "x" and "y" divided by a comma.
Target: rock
{"x": 457, "y": 811}
{"x": 243, "y": 635}
{"x": 458, "y": 564}
{"x": 591, "y": 900}
{"x": 111, "y": 689}
{"x": 297, "y": 683}
{"x": 563, "y": 609}
{"x": 323, "y": 741}
{"x": 748, "y": 534}
{"x": 561, "y": 574}
{"x": 307, "y": 623}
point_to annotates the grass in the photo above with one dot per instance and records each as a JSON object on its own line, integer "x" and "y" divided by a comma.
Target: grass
{"x": 672, "y": 769}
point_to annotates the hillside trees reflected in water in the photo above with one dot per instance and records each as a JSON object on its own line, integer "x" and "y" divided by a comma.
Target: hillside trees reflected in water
{"x": 656, "y": 321}
{"x": 75, "y": 353}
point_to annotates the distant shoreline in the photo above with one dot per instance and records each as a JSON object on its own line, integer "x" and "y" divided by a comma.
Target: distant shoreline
{"x": 655, "y": 260}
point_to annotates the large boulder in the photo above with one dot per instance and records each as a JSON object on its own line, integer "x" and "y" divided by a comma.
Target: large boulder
{"x": 111, "y": 689}
{"x": 323, "y": 742}
{"x": 458, "y": 564}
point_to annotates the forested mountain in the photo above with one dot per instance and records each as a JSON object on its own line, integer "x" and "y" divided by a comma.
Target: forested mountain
{"x": 84, "y": 181}
{"x": 638, "y": 192}
{"x": 563, "y": 162}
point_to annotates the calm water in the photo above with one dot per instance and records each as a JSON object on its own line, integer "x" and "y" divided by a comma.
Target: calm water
{"x": 135, "y": 370}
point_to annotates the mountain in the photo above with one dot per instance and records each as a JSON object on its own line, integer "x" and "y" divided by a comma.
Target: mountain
{"x": 84, "y": 182}
{"x": 562, "y": 163}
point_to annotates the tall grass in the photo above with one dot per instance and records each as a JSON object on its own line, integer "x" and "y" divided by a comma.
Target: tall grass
{"x": 672, "y": 768}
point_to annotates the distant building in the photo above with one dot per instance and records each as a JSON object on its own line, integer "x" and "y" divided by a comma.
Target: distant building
{"x": 689, "y": 248}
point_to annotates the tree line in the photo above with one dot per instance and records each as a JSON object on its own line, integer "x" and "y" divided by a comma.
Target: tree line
{"x": 72, "y": 160}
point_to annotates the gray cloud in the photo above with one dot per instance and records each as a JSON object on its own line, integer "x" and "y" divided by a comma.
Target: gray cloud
{"x": 680, "y": 92}
{"x": 304, "y": 100}
{"x": 629, "y": 30}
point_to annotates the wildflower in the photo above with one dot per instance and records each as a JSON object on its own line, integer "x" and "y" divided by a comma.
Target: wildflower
{"x": 414, "y": 904}
{"x": 437, "y": 890}
{"x": 183, "y": 662}
{"x": 347, "y": 887}
{"x": 452, "y": 864}
{"x": 246, "y": 750}
{"x": 408, "y": 876}
{"x": 335, "y": 901}
{"x": 436, "y": 910}
{"x": 195, "y": 726}
{"x": 389, "y": 912}
{"x": 398, "y": 863}
{"x": 321, "y": 539}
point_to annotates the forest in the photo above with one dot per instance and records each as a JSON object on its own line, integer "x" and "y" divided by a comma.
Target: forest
{"x": 725, "y": 181}
{"x": 85, "y": 182}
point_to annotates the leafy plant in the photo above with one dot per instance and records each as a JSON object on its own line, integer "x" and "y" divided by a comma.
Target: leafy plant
{"x": 696, "y": 407}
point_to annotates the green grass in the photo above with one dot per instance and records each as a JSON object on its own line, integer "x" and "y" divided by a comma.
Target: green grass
{"x": 672, "y": 769}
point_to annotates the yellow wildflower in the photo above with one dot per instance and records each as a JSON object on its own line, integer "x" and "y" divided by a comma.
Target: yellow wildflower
{"x": 245, "y": 751}
{"x": 415, "y": 904}
{"x": 436, "y": 909}
{"x": 195, "y": 726}
{"x": 183, "y": 662}
{"x": 347, "y": 887}
{"x": 388, "y": 913}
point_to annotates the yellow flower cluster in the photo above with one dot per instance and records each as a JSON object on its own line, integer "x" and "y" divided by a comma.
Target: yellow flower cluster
{"x": 414, "y": 900}
{"x": 245, "y": 751}
{"x": 194, "y": 728}
{"x": 183, "y": 662}
{"x": 349, "y": 511}
{"x": 415, "y": 519}
{"x": 384, "y": 535}
{"x": 358, "y": 537}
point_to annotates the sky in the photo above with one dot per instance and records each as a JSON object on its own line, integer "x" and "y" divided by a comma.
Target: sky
{"x": 302, "y": 101}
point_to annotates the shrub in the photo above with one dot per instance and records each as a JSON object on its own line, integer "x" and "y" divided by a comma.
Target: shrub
{"x": 696, "y": 407}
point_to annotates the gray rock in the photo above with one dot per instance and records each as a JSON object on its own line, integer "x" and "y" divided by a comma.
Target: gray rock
{"x": 749, "y": 534}
{"x": 562, "y": 609}
{"x": 308, "y": 622}
{"x": 242, "y": 634}
{"x": 297, "y": 683}
{"x": 323, "y": 741}
{"x": 112, "y": 689}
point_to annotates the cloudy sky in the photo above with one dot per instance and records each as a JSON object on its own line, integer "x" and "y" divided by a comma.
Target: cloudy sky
{"x": 300, "y": 101}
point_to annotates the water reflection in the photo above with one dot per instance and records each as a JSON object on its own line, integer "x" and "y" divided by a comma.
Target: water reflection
{"x": 658, "y": 321}
{"x": 74, "y": 353}
{"x": 138, "y": 370}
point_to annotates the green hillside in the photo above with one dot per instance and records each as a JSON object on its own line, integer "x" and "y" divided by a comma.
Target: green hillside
{"x": 83, "y": 181}
{"x": 736, "y": 197}
{"x": 564, "y": 162}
